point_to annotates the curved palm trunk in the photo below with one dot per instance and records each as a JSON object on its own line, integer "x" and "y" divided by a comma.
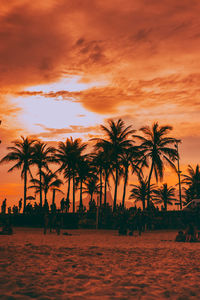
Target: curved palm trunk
{"x": 115, "y": 193}
{"x": 125, "y": 185}
{"x": 81, "y": 194}
{"x": 40, "y": 174}
{"x": 73, "y": 178}
{"x": 149, "y": 184}
{"x": 25, "y": 189}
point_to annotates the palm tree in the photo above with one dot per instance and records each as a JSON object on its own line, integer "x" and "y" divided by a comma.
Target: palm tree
{"x": 68, "y": 155}
{"x": 192, "y": 180}
{"x": 139, "y": 192}
{"x": 84, "y": 172}
{"x": 165, "y": 195}
{"x": 49, "y": 181}
{"x": 98, "y": 162}
{"x": 21, "y": 153}
{"x": 156, "y": 148}
{"x": 42, "y": 155}
{"x": 128, "y": 158}
{"x": 91, "y": 186}
{"x": 116, "y": 141}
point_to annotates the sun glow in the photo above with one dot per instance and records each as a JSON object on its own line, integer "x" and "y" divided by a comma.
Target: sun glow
{"x": 42, "y": 114}
{"x": 39, "y": 114}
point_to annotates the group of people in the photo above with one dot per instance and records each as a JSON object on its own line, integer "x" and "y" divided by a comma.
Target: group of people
{"x": 190, "y": 235}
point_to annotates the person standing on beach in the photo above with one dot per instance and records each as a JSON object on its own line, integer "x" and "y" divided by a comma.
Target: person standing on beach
{"x": 3, "y": 206}
{"x": 20, "y": 205}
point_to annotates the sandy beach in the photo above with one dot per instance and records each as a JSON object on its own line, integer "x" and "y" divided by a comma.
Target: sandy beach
{"x": 94, "y": 264}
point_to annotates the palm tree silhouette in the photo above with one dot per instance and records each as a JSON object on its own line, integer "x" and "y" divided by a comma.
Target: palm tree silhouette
{"x": 84, "y": 171}
{"x": 68, "y": 155}
{"x": 42, "y": 156}
{"x": 49, "y": 181}
{"x": 165, "y": 195}
{"x": 139, "y": 191}
{"x": 192, "y": 180}
{"x": 155, "y": 145}
{"x": 98, "y": 162}
{"x": 22, "y": 154}
{"x": 129, "y": 158}
{"x": 91, "y": 186}
{"x": 116, "y": 141}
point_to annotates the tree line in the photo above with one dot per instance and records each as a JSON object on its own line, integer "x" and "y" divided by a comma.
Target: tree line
{"x": 120, "y": 152}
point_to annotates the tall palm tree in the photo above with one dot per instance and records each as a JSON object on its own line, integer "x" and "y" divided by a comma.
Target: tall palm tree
{"x": 49, "y": 181}
{"x": 84, "y": 172}
{"x": 139, "y": 192}
{"x": 98, "y": 162}
{"x": 192, "y": 180}
{"x": 165, "y": 195}
{"x": 157, "y": 149}
{"x": 42, "y": 156}
{"x": 116, "y": 140}
{"x": 129, "y": 158}
{"x": 68, "y": 155}
{"x": 21, "y": 153}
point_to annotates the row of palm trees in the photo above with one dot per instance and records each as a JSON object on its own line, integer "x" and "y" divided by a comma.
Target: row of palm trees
{"x": 114, "y": 156}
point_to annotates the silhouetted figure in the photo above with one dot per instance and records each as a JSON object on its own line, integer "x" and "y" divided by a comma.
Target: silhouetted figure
{"x": 15, "y": 209}
{"x": 67, "y": 204}
{"x": 3, "y": 206}
{"x": 180, "y": 237}
{"x": 20, "y": 205}
{"x": 62, "y": 205}
{"x": 139, "y": 221}
{"x": 58, "y": 223}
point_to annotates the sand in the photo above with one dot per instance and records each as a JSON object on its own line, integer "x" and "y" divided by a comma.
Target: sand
{"x": 94, "y": 264}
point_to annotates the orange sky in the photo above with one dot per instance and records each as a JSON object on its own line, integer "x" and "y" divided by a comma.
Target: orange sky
{"x": 67, "y": 66}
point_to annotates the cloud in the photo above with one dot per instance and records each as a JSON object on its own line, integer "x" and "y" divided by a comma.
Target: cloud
{"x": 54, "y": 132}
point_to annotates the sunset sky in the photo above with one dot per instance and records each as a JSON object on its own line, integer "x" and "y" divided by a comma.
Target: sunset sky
{"x": 68, "y": 66}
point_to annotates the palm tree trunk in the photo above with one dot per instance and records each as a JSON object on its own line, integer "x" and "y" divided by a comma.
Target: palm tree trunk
{"x": 125, "y": 185}
{"x": 91, "y": 196}
{"x": 68, "y": 188}
{"x": 81, "y": 200}
{"x": 73, "y": 177}
{"x": 100, "y": 198}
{"x": 115, "y": 193}
{"x": 105, "y": 189}
{"x": 40, "y": 174}
{"x": 165, "y": 205}
{"x": 25, "y": 189}
{"x": 143, "y": 204}
{"x": 149, "y": 184}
